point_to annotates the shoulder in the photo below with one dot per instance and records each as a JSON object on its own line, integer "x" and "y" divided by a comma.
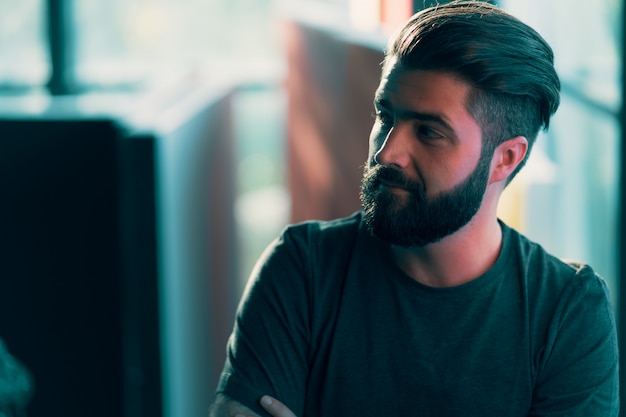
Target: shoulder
{"x": 325, "y": 229}
{"x": 538, "y": 263}
{"x": 302, "y": 250}
{"x": 316, "y": 238}
{"x": 548, "y": 277}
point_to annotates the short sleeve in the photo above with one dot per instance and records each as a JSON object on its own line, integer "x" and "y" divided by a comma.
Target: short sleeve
{"x": 267, "y": 350}
{"x": 578, "y": 374}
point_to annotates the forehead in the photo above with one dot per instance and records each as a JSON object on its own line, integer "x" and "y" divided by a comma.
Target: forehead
{"x": 400, "y": 85}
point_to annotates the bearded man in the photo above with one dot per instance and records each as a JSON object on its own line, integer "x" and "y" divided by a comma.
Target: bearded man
{"x": 425, "y": 303}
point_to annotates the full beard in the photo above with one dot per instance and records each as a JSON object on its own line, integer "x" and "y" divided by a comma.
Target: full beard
{"x": 412, "y": 220}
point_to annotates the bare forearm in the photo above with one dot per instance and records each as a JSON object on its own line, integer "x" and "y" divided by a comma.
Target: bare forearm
{"x": 227, "y": 407}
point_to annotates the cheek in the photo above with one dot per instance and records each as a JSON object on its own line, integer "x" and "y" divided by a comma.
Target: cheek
{"x": 457, "y": 172}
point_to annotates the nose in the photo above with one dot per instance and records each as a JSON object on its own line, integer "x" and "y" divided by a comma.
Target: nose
{"x": 394, "y": 151}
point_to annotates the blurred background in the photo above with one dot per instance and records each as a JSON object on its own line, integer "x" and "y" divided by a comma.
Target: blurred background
{"x": 151, "y": 149}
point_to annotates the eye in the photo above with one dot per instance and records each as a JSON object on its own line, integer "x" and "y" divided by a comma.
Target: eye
{"x": 428, "y": 133}
{"x": 384, "y": 118}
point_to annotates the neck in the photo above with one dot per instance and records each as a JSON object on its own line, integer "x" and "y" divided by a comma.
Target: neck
{"x": 456, "y": 259}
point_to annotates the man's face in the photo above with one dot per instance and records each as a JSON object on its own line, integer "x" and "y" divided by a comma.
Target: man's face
{"x": 425, "y": 178}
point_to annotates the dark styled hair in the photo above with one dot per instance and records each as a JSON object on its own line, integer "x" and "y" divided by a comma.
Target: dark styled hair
{"x": 515, "y": 88}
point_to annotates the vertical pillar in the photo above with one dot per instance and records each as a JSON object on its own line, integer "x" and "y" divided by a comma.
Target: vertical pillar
{"x": 621, "y": 259}
{"x": 60, "y": 26}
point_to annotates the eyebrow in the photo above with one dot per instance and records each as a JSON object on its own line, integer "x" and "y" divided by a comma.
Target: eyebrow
{"x": 406, "y": 114}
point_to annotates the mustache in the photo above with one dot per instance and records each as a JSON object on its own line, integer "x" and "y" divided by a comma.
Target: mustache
{"x": 382, "y": 174}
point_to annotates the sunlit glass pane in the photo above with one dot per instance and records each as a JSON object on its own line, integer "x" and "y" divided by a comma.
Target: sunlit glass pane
{"x": 23, "y": 59}
{"x": 125, "y": 41}
{"x": 585, "y": 41}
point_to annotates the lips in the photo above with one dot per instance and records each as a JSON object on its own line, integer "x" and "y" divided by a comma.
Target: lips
{"x": 395, "y": 179}
{"x": 393, "y": 185}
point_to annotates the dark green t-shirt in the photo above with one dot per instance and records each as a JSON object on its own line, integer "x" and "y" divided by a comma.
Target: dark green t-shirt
{"x": 332, "y": 327}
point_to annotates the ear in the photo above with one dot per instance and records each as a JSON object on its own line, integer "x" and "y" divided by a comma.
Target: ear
{"x": 507, "y": 157}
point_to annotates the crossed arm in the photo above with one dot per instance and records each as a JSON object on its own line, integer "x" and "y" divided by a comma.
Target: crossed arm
{"x": 227, "y": 407}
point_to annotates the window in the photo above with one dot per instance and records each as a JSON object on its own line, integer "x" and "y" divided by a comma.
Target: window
{"x": 125, "y": 41}
{"x": 23, "y": 57}
{"x": 128, "y": 42}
